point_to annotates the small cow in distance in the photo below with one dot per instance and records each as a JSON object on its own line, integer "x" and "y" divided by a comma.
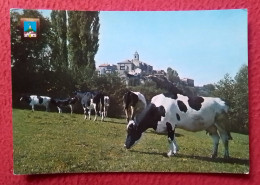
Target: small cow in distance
{"x": 37, "y": 100}
{"x": 59, "y": 103}
{"x": 169, "y": 111}
{"x": 131, "y": 101}
{"x": 91, "y": 100}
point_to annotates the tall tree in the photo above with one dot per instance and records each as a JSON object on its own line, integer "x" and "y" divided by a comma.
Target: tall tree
{"x": 83, "y": 32}
{"x": 59, "y": 57}
{"x": 89, "y": 36}
{"x": 74, "y": 47}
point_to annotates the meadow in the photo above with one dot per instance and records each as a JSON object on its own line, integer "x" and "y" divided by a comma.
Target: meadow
{"x": 48, "y": 142}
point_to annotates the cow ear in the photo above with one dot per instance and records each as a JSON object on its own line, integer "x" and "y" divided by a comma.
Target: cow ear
{"x": 161, "y": 111}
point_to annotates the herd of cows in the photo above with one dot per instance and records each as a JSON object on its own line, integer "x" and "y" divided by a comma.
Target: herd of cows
{"x": 164, "y": 114}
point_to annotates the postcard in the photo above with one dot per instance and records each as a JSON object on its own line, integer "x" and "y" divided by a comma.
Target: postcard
{"x": 130, "y": 91}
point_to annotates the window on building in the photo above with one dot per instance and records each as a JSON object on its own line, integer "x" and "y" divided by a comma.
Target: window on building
{"x": 122, "y": 67}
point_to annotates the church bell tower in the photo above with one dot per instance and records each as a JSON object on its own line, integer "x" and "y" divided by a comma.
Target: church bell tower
{"x": 136, "y": 56}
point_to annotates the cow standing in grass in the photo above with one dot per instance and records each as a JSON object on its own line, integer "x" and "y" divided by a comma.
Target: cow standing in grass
{"x": 131, "y": 101}
{"x": 169, "y": 111}
{"x": 91, "y": 100}
{"x": 37, "y": 100}
{"x": 59, "y": 103}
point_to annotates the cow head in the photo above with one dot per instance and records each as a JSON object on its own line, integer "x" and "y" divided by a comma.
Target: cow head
{"x": 147, "y": 119}
{"x": 27, "y": 99}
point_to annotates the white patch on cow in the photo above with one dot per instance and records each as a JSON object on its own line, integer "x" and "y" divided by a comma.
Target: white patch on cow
{"x": 131, "y": 122}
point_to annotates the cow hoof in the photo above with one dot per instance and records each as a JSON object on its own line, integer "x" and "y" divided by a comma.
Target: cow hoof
{"x": 169, "y": 154}
{"x": 213, "y": 156}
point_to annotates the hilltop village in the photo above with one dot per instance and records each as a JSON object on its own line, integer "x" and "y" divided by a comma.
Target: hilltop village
{"x": 134, "y": 71}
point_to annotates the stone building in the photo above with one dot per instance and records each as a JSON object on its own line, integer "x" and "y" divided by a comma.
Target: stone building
{"x": 134, "y": 67}
{"x": 106, "y": 68}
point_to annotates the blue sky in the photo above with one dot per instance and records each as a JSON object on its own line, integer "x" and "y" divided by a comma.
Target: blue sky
{"x": 202, "y": 45}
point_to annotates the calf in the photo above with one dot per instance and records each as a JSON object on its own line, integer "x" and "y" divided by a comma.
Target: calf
{"x": 91, "y": 100}
{"x": 59, "y": 103}
{"x": 131, "y": 101}
{"x": 37, "y": 100}
{"x": 167, "y": 112}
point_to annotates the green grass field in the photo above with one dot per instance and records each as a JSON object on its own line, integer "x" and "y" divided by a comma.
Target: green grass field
{"x": 46, "y": 142}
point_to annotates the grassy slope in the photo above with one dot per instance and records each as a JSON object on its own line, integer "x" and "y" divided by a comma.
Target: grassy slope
{"x": 53, "y": 143}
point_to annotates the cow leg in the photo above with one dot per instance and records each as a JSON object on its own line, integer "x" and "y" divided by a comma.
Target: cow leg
{"x": 172, "y": 143}
{"x": 47, "y": 107}
{"x": 126, "y": 114}
{"x": 212, "y": 130}
{"x": 89, "y": 114}
{"x": 71, "y": 109}
{"x": 102, "y": 112}
{"x": 224, "y": 137}
{"x": 85, "y": 112}
{"x": 96, "y": 112}
{"x": 59, "y": 109}
{"x": 132, "y": 112}
{"x": 33, "y": 108}
{"x": 221, "y": 123}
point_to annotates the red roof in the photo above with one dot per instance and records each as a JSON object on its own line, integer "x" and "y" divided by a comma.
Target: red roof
{"x": 104, "y": 65}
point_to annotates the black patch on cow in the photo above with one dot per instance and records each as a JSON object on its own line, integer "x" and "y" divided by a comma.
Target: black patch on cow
{"x": 40, "y": 99}
{"x": 182, "y": 106}
{"x": 149, "y": 117}
{"x": 178, "y": 117}
{"x": 170, "y": 131}
{"x": 170, "y": 95}
{"x": 195, "y": 102}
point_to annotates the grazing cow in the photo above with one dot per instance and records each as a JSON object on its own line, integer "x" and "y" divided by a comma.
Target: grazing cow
{"x": 37, "y": 100}
{"x": 89, "y": 101}
{"x": 131, "y": 101}
{"x": 106, "y": 105}
{"x": 59, "y": 103}
{"x": 169, "y": 111}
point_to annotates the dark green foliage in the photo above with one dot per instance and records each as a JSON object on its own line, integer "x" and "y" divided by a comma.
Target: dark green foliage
{"x": 149, "y": 89}
{"x": 235, "y": 93}
{"x": 173, "y": 75}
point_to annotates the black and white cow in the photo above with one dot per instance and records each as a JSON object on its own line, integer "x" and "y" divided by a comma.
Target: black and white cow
{"x": 106, "y": 105}
{"x": 167, "y": 112}
{"x": 91, "y": 100}
{"x": 37, "y": 100}
{"x": 59, "y": 103}
{"x": 131, "y": 101}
